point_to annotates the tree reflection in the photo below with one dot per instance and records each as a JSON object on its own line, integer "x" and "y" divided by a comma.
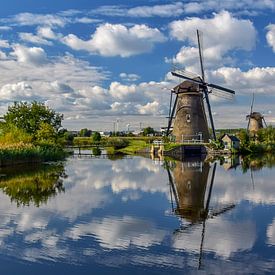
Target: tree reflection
{"x": 32, "y": 184}
{"x": 257, "y": 162}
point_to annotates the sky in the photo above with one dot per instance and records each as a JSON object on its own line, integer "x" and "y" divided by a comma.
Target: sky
{"x": 107, "y": 63}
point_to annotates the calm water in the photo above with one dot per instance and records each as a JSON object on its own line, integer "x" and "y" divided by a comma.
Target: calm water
{"x": 138, "y": 216}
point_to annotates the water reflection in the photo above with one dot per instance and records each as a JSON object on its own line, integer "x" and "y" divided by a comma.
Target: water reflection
{"x": 116, "y": 214}
{"x": 27, "y": 185}
{"x": 188, "y": 180}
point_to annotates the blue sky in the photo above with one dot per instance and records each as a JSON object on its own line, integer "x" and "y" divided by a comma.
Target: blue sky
{"x": 104, "y": 61}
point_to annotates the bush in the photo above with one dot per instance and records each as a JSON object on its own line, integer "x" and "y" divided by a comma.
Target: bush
{"x": 118, "y": 143}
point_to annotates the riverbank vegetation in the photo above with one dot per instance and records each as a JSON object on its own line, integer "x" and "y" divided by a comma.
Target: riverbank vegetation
{"x": 30, "y": 133}
{"x": 261, "y": 142}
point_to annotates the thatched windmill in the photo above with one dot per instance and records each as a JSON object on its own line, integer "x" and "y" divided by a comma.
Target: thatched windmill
{"x": 188, "y": 112}
{"x": 256, "y": 120}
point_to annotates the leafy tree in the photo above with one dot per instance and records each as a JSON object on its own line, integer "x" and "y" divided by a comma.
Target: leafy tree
{"x": 244, "y": 138}
{"x": 85, "y": 132}
{"x": 96, "y": 137}
{"x": 29, "y": 116}
{"x": 148, "y": 131}
{"x": 46, "y": 133}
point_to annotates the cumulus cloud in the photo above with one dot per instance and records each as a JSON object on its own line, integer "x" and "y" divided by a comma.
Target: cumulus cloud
{"x": 20, "y": 90}
{"x": 220, "y": 37}
{"x": 47, "y": 32}
{"x": 150, "y": 108}
{"x": 259, "y": 80}
{"x": 117, "y": 40}
{"x": 34, "y": 55}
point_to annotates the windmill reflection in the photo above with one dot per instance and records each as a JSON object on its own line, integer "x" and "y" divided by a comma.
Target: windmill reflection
{"x": 191, "y": 184}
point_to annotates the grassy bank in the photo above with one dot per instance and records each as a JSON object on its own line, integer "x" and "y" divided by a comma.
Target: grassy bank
{"x": 18, "y": 153}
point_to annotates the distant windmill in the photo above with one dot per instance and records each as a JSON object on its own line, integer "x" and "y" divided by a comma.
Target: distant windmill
{"x": 256, "y": 120}
{"x": 188, "y": 110}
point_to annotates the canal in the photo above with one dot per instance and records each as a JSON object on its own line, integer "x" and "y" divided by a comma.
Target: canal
{"x": 138, "y": 216}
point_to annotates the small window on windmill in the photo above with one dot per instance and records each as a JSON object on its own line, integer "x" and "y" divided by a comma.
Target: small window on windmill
{"x": 188, "y": 118}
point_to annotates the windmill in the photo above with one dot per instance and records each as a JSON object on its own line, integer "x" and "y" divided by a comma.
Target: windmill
{"x": 256, "y": 120}
{"x": 188, "y": 110}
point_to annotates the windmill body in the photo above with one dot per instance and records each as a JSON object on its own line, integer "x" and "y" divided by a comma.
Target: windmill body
{"x": 190, "y": 119}
{"x": 256, "y": 122}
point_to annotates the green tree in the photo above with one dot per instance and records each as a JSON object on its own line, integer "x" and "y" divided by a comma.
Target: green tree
{"x": 96, "y": 137}
{"x": 46, "y": 133}
{"x": 244, "y": 138}
{"x": 85, "y": 132}
{"x": 148, "y": 131}
{"x": 29, "y": 116}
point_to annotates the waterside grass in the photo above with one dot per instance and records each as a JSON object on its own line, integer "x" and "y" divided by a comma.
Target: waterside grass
{"x": 18, "y": 153}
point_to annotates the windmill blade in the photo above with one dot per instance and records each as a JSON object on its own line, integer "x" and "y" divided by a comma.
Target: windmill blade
{"x": 170, "y": 103}
{"x": 251, "y": 109}
{"x": 172, "y": 115}
{"x": 199, "y": 37}
{"x": 218, "y": 87}
{"x": 264, "y": 122}
{"x": 205, "y": 90}
{"x": 252, "y": 103}
{"x": 180, "y": 74}
{"x": 183, "y": 72}
{"x": 221, "y": 94}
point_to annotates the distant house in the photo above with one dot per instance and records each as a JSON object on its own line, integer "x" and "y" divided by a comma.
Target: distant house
{"x": 230, "y": 142}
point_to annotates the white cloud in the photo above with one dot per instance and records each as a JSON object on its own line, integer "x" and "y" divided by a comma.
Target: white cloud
{"x": 34, "y": 55}
{"x": 20, "y": 90}
{"x": 46, "y": 32}
{"x": 246, "y": 7}
{"x": 167, "y": 10}
{"x": 220, "y": 37}
{"x": 150, "y": 108}
{"x": 270, "y": 36}
{"x": 86, "y": 20}
{"x": 129, "y": 77}
{"x": 113, "y": 40}
{"x": 29, "y": 37}
{"x": 259, "y": 80}
{"x": 31, "y": 19}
